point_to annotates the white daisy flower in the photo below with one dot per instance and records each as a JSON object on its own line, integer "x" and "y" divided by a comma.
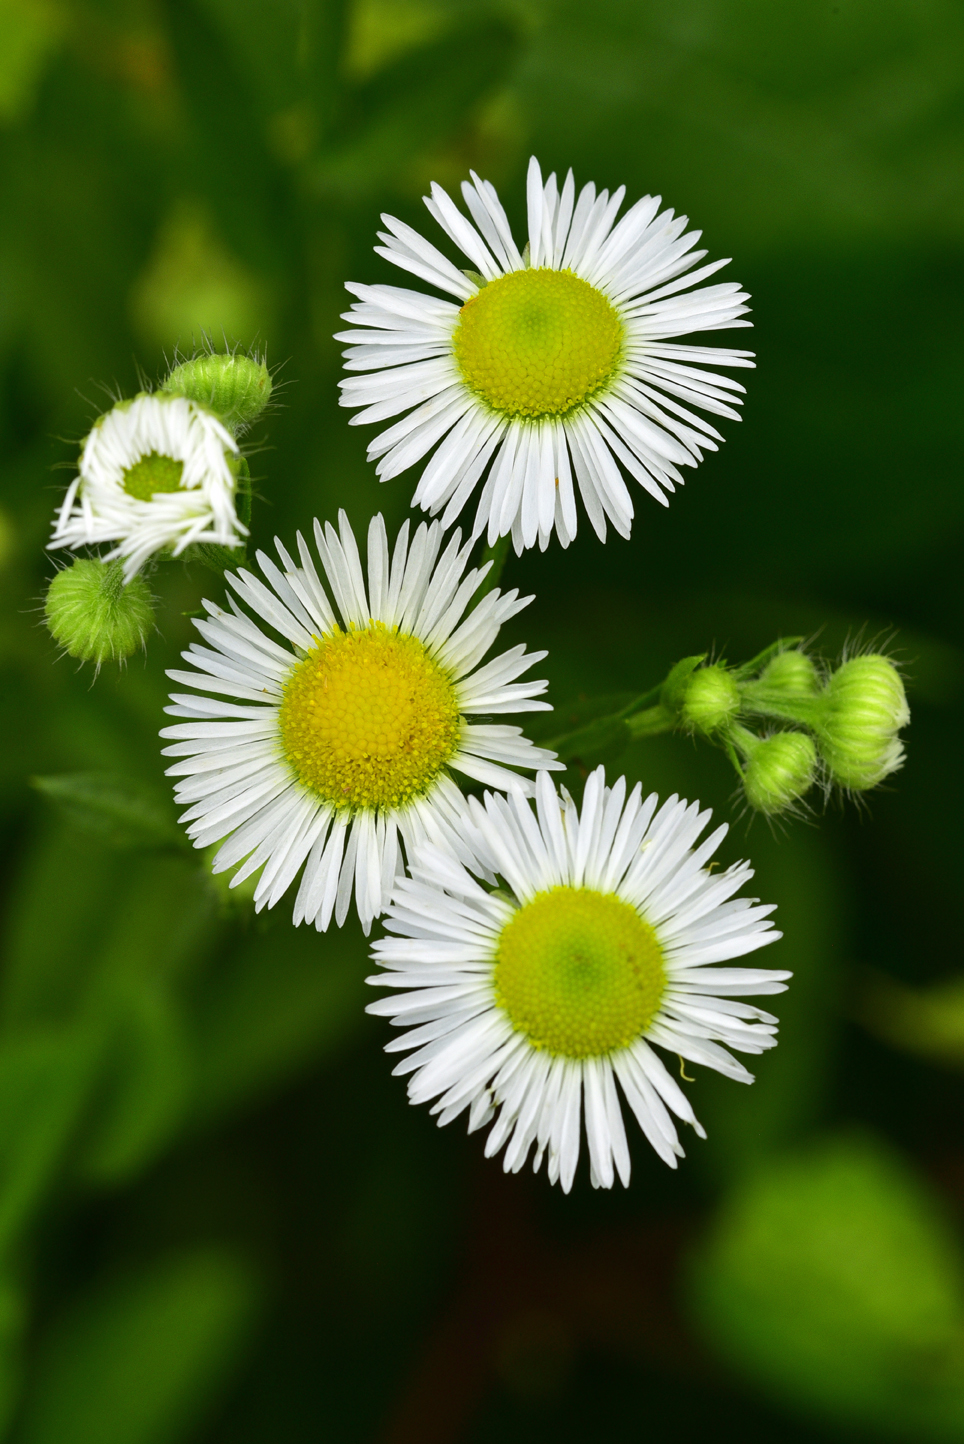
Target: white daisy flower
{"x": 156, "y": 473}
{"x": 553, "y": 368}
{"x": 526, "y": 1006}
{"x": 340, "y": 741}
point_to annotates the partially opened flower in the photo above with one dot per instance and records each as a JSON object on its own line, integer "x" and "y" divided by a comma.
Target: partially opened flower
{"x": 340, "y": 739}
{"x": 155, "y": 474}
{"x": 528, "y": 1005}
{"x": 554, "y": 366}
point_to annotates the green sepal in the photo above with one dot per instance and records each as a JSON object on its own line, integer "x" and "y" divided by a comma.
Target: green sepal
{"x": 757, "y": 663}
{"x": 673, "y": 689}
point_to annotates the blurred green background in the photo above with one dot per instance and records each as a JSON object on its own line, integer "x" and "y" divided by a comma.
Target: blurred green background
{"x": 219, "y": 1217}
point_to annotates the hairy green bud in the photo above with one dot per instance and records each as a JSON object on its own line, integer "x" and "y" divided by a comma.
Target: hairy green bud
{"x": 865, "y": 707}
{"x": 788, "y": 688}
{"x": 710, "y": 700}
{"x": 779, "y": 770}
{"x": 236, "y": 388}
{"x": 791, "y": 674}
{"x": 94, "y": 616}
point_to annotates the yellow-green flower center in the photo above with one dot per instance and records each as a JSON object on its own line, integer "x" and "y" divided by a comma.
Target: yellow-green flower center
{"x": 538, "y": 342}
{"x": 368, "y": 719}
{"x": 151, "y": 474}
{"x": 579, "y": 972}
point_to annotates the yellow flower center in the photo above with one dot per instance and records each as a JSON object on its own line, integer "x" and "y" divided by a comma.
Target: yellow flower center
{"x": 538, "y": 342}
{"x": 153, "y": 473}
{"x": 579, "y": 972}
{"x": 368, "y": 719}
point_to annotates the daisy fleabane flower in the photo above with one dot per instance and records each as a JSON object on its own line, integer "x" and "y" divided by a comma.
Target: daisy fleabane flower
{"x": 155, "y": 474}
{"x": 338, "y": 741}
{"x": 527, "y": 1004}
{"x": 554, "y": 367}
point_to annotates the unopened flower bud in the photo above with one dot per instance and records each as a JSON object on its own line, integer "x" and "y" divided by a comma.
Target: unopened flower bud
{"x": 236, "y": 388}
{"x": 779, "y": 770}
{"x": 94, "y": 616}
{"x": 791, "y": 674}
{"x": 788, "y": 688}
{"x": 865, "y": 708}
{"x": 711, "y": 699}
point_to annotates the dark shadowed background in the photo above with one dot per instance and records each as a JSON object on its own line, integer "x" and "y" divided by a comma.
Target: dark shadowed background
{"x": 219, "y": 1218}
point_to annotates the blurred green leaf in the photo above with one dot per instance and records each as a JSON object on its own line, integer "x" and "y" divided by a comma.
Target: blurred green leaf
{"x": 29, "y": 31}
{"x": 11, "y": 1331}
{"x": 290, "y": 51}
{"x": 271, "y": 1008}
{"x": 418, "y": 101}
{"x": 226, "y": 159}
{"x": 192, "y": 286}
{"x": 115, "y": 913}
{"x": 139, "y": 1362}
{"x": 47, "y": 1078}
{"x": 925, "y": 1021}
{"x": 831, "y": 1280}
{"x": 120, "y": 811}
{"x": 146, "y": 1083}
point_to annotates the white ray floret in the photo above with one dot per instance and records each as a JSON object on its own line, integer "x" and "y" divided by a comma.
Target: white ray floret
{"x": 525, "y": 445}
{"x": 100, "y": 505}
{"x": 298, "y": 794}
{"x": 448, "y": 945}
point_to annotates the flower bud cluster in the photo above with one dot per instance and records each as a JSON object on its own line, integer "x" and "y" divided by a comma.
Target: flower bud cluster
{"x": 160, "y": 475}
{"x": 841, "y": 728}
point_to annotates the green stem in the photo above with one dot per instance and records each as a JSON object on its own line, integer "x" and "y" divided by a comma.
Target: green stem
{"x": 651, "y": 722}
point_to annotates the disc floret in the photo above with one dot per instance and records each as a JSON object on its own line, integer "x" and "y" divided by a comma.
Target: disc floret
{"x": 368, "y": 718}
{"x": 579, "y": 972}
{"x": 538, "y": 343}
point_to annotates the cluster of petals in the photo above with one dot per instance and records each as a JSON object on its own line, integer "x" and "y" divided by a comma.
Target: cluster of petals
{"x": 235, "y": 778}
{"x": 528, "y": 471}
{"x": 98, "y": 508}
{"x": 439, "y": 958}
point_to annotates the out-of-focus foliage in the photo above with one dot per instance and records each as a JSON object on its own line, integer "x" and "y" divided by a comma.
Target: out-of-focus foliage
{"x": 832, "y": 1277}
{"x": 219, "y": 1219}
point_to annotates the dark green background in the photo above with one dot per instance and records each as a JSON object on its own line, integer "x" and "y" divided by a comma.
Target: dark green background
{"x": 219, "y": 1218}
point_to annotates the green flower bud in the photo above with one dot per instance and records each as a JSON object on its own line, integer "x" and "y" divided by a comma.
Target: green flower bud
{"x": 779, "y": 770}
{"x": 864, "y": 709}
{"x": 787, "y": 688}
{"x": 236, "y": 388}
{"x": 94, "y": 616}
{"x": 711, "y": 700}
{"x": 790, "y": 674}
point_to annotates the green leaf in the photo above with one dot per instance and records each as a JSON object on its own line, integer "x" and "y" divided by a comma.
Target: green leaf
{"x": 29, "y": 31}
{"x": 47, "y": 1079}
{"x": 120, "y": 811}
{"x": 926, "y": 1021}
{"x": 831, "y": 1279}
{"x": 140, "y": 1362}
{"x": 146, "y": 1082}
{"x": 226, "y": 160}
{"x": 415, "y": 103}
{"x": 271, "y": 1009}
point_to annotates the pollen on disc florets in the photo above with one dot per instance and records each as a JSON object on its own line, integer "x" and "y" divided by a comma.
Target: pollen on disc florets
{"x": 538, "y": 342}
{"x": 151, "y": 474}
{"x": 368, "y": 719}
{"x": 579, "y": 972}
